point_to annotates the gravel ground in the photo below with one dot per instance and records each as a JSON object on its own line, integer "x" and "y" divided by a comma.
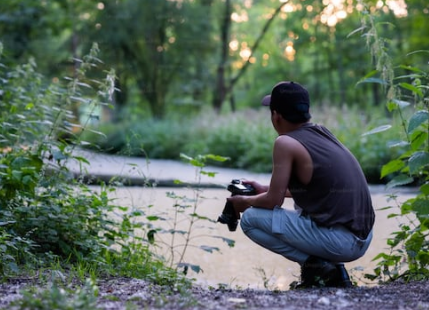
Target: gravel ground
{"x": 125, "y": 293}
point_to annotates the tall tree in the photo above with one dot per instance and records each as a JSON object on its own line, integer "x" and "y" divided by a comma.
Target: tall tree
{"x": 224, "y": 84}
{"x": 155, "y": 43}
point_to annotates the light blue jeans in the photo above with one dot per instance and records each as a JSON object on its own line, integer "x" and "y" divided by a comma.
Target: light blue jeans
{"x": 296, "y": 237}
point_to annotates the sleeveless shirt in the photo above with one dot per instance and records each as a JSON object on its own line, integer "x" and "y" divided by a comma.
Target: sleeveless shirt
{"x": 337, "y": 193}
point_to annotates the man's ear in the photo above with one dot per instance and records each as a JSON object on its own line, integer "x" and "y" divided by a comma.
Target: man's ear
{"x": 276, "y": 115}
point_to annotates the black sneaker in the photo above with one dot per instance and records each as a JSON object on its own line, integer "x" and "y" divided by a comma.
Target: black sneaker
{"x": 342, "y": 278}
{"x": 317, "y": 272}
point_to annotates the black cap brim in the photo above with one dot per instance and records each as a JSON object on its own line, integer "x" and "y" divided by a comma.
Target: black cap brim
{"x": 266, "y": 101}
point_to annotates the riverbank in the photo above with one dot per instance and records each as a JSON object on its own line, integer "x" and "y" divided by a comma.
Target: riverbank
{"x": 244, "y": 277}
{"x": 246, "y": 264}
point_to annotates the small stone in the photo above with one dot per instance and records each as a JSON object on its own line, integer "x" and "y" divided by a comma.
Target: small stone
{"x": 324, "y": 301}
{"x": 237, "y": 300}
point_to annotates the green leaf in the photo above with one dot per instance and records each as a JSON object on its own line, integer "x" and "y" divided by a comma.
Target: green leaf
{"x": 425, "y": 189}
{"x": 151, "y": 236}
{"x": 137, "y": 213}
{"x": 417, "y": 119}
{"x": 392, "y": 166}
{"x": 194, "y": 162}
{"x": 392, "y": 144}
{"x": 360, "y": 29}
{"x": 377, "y": 130}
{"x": 421, "y": 207}
{"x": 230, "y": 242}
{"x": 396, "y": 104}
{"x": 399, "y": 181}
{"x": 209, "y": 174}
{"x": 81, "y": 159}
{"x": 97, "y": 132}
{"x": 411, "y": 87}
{"x": 418, "y": 161}
{"x": 392, "y": 215}
{"x": 385, "y": 208}
{"x": 185, "y": 266}
{"x": 372, "y": 80}
{"x": 217, "y": 157}
{"x": 418, "y": 138}
{"x": 197, "y": 216}
{"x": 413, "y": 69}
{"x": 407, "y": 206}
{"x": 209, "y": 249}
{"x": 175, "y": 231}
{"x": 58, "y": 155}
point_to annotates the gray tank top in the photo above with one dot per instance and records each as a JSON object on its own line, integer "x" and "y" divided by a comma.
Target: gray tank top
{"x": 337, "y": 193}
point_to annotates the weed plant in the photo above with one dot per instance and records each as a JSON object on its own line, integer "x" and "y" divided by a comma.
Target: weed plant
{"x": 185, "y": 224}
{"x": 407, "y": 90}
{"x": 48, "y": 219}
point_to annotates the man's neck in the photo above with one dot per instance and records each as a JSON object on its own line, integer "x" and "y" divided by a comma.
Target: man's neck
{"x": 288, "y": 126}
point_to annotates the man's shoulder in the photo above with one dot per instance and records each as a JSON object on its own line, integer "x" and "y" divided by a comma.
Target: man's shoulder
{"x": 288, "y": 144}
{"x": 286, "y": 139}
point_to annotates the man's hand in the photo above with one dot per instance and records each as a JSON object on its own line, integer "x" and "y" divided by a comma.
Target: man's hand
{"x": 240, "y": 203}
{"x": 259, "y": 188}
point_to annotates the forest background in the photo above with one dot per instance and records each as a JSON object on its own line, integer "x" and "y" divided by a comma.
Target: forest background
{"x": 163, "y": 78}
{"x": 189, "y": 75}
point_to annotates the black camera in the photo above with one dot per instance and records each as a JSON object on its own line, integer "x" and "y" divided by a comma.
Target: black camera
{"x": 228, "y": 214}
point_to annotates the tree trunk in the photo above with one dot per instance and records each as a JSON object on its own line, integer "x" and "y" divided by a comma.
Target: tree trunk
{"x": 223, "y": 89}
{"x": 220, "y": 89}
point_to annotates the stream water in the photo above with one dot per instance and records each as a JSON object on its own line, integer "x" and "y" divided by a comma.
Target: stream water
{"x": 246, "y": 264}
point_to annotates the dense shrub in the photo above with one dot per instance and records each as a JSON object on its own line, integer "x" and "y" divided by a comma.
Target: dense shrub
{"x": 47, "y": 216}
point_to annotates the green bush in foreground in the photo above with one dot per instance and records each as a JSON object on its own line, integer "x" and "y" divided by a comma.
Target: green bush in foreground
{"x": 47, "y": 217}
{"x": 406, "y": 87}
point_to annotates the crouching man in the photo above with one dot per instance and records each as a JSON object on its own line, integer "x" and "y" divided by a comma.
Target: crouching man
{"x": 334, "y": 216}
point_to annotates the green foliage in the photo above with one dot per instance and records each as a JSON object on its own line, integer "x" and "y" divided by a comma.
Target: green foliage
{"x": 46, "y": 215}
{"x": 408, "y": 256}
{"x": 246, "y": 137}
{"x": 186, "y": 221}
{"x": 38, "y": 206}
{"x": 59, "y": 298}
{"x": 173, "y": 60}
{"x": 409, "y": 246}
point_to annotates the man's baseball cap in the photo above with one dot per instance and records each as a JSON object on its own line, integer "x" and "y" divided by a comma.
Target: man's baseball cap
{"x": 291, "y": 100}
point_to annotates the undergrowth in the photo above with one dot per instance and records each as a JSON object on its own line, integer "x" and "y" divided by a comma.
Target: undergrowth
{"x": 407, "y": 95}
{"x": 48, "y": 218}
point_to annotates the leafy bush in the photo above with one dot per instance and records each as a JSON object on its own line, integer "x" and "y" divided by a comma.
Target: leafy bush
{"x": 407, "y": 88}
{"x": 46, "y": 215}
{"x": 39, "y": 206}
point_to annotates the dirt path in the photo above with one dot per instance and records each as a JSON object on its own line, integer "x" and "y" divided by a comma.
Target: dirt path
{"x": 123, "y": 294}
